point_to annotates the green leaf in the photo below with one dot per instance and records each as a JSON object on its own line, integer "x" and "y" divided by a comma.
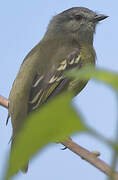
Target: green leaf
{"x": 108, "y": 77}
{"x": 53, "y": 123}
{"x": 111, "y": 78}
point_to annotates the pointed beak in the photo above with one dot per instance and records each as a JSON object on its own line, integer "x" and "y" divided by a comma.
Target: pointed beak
{"x": 99, "y": 17}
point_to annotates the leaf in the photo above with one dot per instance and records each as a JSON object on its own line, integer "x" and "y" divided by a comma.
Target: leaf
{"x": 108, "y": 77}
{"x": 111, "y": 78}
{"x": 53, "y": 123}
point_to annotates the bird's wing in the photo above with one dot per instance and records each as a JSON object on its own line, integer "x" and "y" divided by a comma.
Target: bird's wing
{"x": 44, "y": 87}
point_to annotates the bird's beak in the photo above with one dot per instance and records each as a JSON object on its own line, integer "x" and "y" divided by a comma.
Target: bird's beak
{"x": 99, "y": 17}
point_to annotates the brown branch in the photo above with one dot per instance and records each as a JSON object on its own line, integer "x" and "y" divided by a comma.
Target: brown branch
{"x": 3, "y": 102}
{"x": 77, "y": 149}
{"x": 90, "y": 157}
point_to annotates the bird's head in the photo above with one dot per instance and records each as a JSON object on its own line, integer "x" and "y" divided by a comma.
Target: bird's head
{"x": 77, "y": 22}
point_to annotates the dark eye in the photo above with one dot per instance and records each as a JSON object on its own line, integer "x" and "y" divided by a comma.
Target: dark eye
{"x": 78, "y": 17}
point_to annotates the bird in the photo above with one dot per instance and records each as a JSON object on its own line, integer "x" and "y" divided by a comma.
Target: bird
{"x": 67, "y": 44}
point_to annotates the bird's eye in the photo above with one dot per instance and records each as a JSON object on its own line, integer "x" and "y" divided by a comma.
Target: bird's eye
{"x": 78, "y": 17}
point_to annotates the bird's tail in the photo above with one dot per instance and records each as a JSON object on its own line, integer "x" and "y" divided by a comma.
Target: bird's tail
{"x": 24, "y": 169}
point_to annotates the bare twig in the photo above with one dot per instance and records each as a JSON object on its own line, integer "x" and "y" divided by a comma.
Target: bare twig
{"x": 90, "y": 157}
{"x": 3, "y": 101}
{"x": 77, "y": 149}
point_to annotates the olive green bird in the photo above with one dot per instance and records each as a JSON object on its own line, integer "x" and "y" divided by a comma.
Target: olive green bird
{"x": 67, "y": 44}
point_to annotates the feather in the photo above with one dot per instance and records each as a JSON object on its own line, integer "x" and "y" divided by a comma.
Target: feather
{"x": 43, "y": 89}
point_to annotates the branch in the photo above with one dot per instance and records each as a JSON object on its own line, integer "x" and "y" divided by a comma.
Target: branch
{"x": 77, "y": 149}
{"x": 3, "y": 102}
{"x": 90, "y": 157}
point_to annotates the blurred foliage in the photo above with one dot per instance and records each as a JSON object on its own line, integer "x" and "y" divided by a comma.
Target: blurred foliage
{"x": 110, "y": 78}
{"x": 54, "y": 122}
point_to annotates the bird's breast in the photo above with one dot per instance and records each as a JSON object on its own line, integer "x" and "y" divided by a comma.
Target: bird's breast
{"x": 87, "y": 54}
